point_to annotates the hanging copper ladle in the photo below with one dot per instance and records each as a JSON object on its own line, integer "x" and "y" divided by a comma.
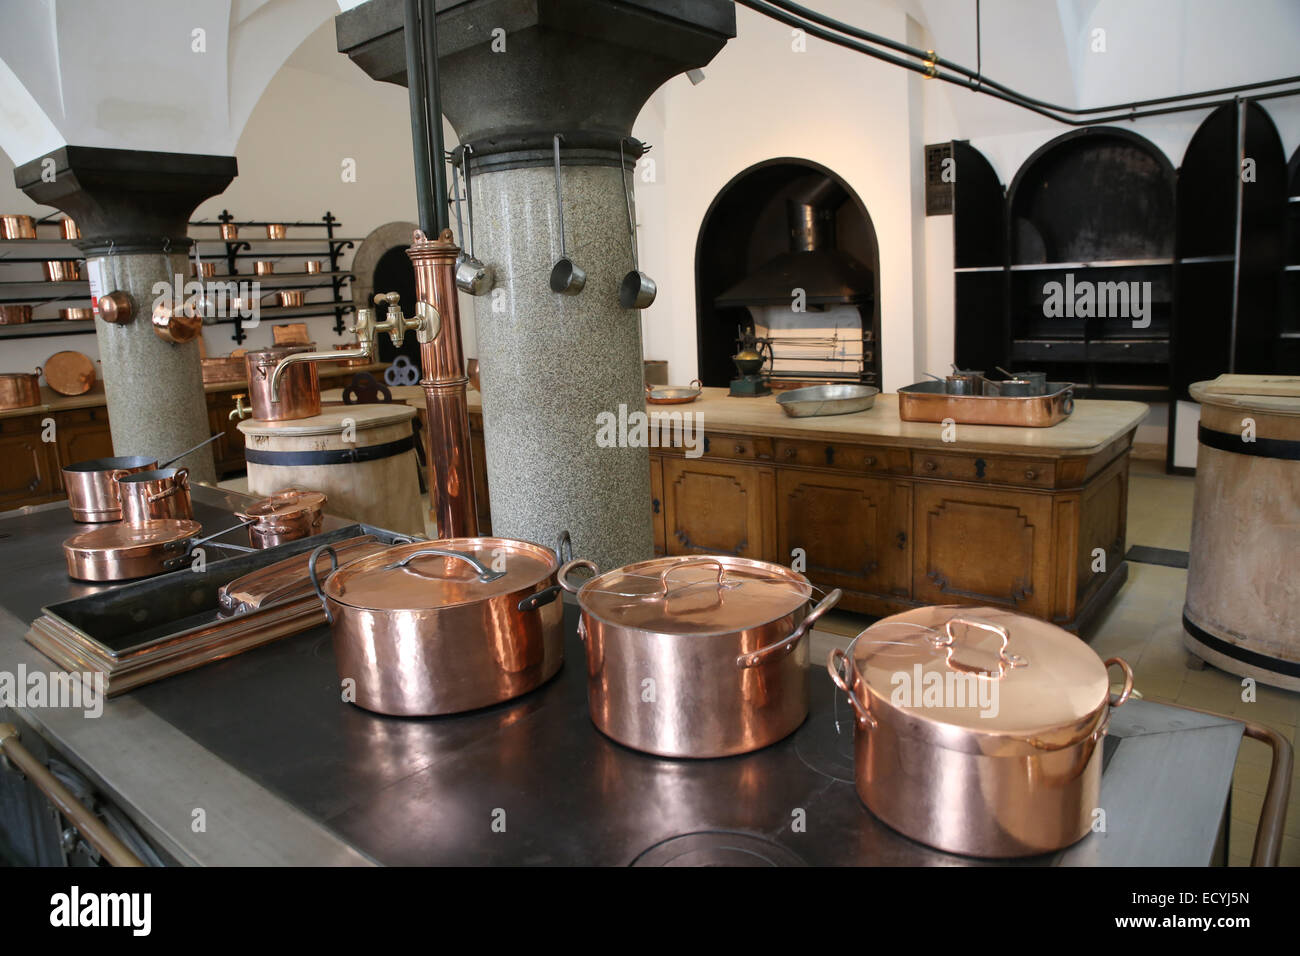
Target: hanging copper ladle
{"x": 638, "y": 290}
{"x": 566, "y": 278}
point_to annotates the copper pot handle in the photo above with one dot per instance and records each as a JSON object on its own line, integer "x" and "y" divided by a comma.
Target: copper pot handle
{"x": 787, "y": 644}
{"x": 1005, "y": 661}
{"x": 315, "y": 581}
{"x": 562, "y": 576}
{"x": 833, "y": 660}
{"x": 685, "y": 563}
{"x": 1127, "y": 692}
{"x": 179, "y": 482}
{"x": 485, "y": 574}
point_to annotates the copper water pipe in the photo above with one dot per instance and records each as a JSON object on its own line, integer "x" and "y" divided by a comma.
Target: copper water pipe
{"x": 451, "y": 484}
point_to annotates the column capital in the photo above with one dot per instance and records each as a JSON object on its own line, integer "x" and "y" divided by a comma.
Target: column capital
{"x": 130, "y": 199}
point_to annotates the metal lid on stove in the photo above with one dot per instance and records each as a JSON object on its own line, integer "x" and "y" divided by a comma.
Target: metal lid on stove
{"x": 286, "y": 502}
{"x": 428, "y": 575}
{"x": 696, "y": 596}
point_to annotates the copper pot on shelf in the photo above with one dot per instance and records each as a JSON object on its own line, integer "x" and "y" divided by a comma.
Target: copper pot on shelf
{"x": 721, "y": 637}
{"x": 20, "y": 389}
{"x": 275, "y": 230}
{"x": 441, "y": 627}
{"x": 264, "y": 267}
{"x": 92, "y": 485}
{"x": 299, "y": 386}
{"x": 205, "y": 270}
{"x": 995, "y": 747}
{"x": 311, "y": 267}
{"x": 68, "y": 229}
{"x": 157, "y": 493}
{"x": 291, "y": 297}
{"x": 17, "y": 226}
{"x": 61, "y": 270}
{"x": 15, "y": 314}
{"x": 228, "y": 231}
{"x": 287, "y": 515}
{"x": 76, "y": 314}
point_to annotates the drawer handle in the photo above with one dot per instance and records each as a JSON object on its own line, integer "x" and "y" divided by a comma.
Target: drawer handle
{"x": 930, "y": 466}
{"x": 1030, "y": 474}
{"x": 871, "y": 461}
{"x": 740, "y": 449}
{"x": 830, "y": 455}
{"x": 791, "y": 452}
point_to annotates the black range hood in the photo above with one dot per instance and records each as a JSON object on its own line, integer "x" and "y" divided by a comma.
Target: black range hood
{"x": 827, "y": 275}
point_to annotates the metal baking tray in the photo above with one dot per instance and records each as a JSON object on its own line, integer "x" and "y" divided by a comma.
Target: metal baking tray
{"x": 827, "y": 400}
{"x": 928, "y": 402}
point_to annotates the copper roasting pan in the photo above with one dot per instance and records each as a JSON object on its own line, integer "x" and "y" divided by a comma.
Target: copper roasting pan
{"x": 927, "y": 402}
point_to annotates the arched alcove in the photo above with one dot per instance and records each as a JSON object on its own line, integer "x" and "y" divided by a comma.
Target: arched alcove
{"x": 747, "y": 227}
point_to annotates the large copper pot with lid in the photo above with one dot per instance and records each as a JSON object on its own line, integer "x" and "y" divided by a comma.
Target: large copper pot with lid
{"x": 978, "y": 730}
{"x": 696, "y": 656}
{"x": 299, "y": 392}
{"x": 439, "y": 627}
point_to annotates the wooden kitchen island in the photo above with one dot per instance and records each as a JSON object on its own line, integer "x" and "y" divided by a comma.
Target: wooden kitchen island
{"x": 897, "y": 517}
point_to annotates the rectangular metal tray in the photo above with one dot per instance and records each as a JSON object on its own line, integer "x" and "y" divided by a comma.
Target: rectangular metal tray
{"x": 928, "y": 402}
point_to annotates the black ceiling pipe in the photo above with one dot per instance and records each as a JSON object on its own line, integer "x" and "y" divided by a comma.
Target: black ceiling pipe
{"x": 421, "y": 35}
{"x": 433, "y": 107}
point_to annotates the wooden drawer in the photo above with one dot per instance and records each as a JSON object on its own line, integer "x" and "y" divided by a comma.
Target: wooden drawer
{"x": 1027, "y": 472}
{"x": 841, "y": 457}
{"x": 738, "y": 447}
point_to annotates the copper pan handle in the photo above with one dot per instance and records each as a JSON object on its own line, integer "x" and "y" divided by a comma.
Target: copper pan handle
{"x": 485, "y": 574}
{"x": 787, "y": 644}
{"x": 91, "y": 827}
{"x": 1005, "y": 661}
{"x": 179, "y": 481}
{"x": 315, "y": 581}
{"x": 686, "y": 563}
{"x": 562, "y": 576}
{"x": 1127, "y": 692}
{"x": 833, "y": 661}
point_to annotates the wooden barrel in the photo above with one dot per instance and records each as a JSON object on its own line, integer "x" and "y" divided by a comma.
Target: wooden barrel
{"x": 1242, "y": 612}
{"x": 361, "y": 456}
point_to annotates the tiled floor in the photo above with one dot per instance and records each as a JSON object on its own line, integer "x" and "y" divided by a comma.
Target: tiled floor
{"x": 1143, "y": 624}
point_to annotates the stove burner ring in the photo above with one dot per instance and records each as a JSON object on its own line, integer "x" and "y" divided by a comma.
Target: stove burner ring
{"x": 718, "y": 848}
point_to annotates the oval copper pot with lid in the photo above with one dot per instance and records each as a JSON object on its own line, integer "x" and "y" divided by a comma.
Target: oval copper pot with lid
{"x": 696, "y": 656}
{"x": 440, "y": 627}
{"x": 285, "y": 516}
{"x": 978, "y": 730}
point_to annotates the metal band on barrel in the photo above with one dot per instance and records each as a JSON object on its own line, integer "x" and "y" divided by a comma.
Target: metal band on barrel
{"x": 1231, "y": 442}
{"x": 336, "y": 456}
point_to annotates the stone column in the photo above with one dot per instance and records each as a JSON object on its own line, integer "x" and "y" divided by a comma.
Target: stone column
{"x": 133, "y": 208}
{"x": 513, "y": 74}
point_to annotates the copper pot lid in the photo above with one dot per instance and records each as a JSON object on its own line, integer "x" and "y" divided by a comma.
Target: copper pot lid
{"x": 983, "y": 669}
{"x": 695, "y": 596}
{"x": 290, "y": 501}
{"x": 131, "y": 540}
{"x": 70, "y": 373}
{"x": 429, "y": 575}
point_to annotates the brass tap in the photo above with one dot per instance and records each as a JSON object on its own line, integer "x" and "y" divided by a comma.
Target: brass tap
{"x": 240, "y": 411}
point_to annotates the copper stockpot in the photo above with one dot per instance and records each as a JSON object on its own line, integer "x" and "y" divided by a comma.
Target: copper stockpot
{"x": 978, "y": 730}
{"x": 15, "y": 314}
{"x": 157, "y": 493}
{"x": 92, "y": 485}
{"x": 119, "y": 552}
{"x": 285, "y": 516}
{"x": 696, "y": 656}
{"x": 299, "y": 386}
{"x": 17, "y": 227}
{"x": 440, "y": 627}
{"x": 20, "y": 389}
{"x": 77, "y": 313}
{"x": 61, "y": 270}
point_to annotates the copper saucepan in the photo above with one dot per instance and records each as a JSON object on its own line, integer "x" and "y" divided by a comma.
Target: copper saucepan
{"x": 978, "y": 730}
{"x": 153, "y": 494}
{"x": 122, "y": 551}
{"x": 62, "y": 270}
{"x": 92, "y": 485}
{"x": 439, "y": 627}
{"x": 17, "y": 226}
{"x": 20, "y": 389}
{"x": 15, "y": 314}
{"x": 696, "y": 656}
{"x": 285, "y": 516}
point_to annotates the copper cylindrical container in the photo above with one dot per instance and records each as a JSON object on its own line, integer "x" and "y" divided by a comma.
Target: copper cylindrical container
{"x": 62, "y": 270}
{"x": 17, "y": 227}
{"x": 206, "y": 269}
{"x": 299, "y": 386}
{"x": 311, "y": 267}
{"x": 76, "y": 314}
{"x": 717, "y": 643}
{"x": 92, "y": 485}
{"x": 441, "y": 627}
{"x": 291, "y": 297}
{"x": 20, "y": 389}
{"x": 263, "y": 267}
{"x": 153, "y": 494}
{"x": 978, "y": 730}
{"x": 275, "y": 230}
{"x": 286, "y": 516}
{"x": 69, "y": 229}
{"x": 15, "y": 314}
{"x": 228, "y": 231}
{"x": 451, "y": 492}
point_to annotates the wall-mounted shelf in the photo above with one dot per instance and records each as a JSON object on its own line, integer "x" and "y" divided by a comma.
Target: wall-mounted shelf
{"x": 43, "y": 327}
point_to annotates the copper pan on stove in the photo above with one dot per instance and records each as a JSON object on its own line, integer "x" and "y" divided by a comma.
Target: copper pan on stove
{"x": 92, "y": 485}
{"x": 157, "y": 493}
{"x": 120, "y": 552}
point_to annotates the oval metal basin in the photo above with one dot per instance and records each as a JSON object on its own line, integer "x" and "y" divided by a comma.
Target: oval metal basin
{"x": 827, "y": 400}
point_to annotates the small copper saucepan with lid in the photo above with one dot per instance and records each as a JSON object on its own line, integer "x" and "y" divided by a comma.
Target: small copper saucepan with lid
{"x": 716, "y": 641}
{"x": 285, "y": 516}
{"x": 153, "y": 494}
{"x": 978, "y": 730}
{"x": 92, "y": 485}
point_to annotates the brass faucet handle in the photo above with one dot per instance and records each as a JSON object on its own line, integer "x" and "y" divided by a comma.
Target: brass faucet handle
{"x": 387, "y": 298}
